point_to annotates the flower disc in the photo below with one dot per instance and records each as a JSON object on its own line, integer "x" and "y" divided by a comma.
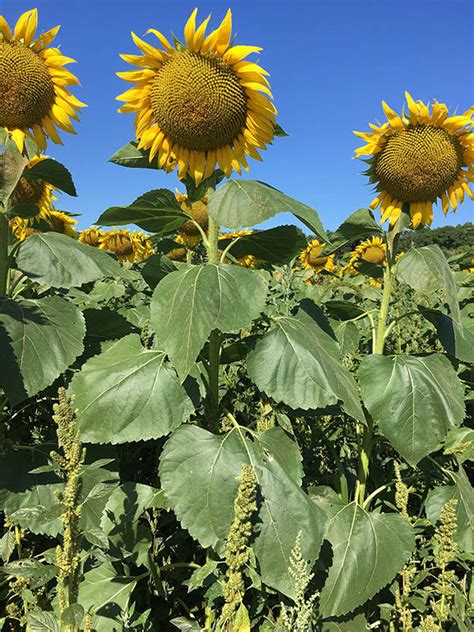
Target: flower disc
{"x": 419, "y": 163}
{"x": 374, "y": 254}
{"x": 198, "y": 101}
{"x": 28, "y": 191}
{"x": 26, "y": 87}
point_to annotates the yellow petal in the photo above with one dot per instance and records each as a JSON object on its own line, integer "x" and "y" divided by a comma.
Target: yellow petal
{"x": 19, "y": 137}
{"x": 22, "y": 24}
{"x": 189, "y": 30}
{"x": 164, "y": 42}
{"x": 235, "y": 54}
{"x": 61, "y": 119}
{"x": 148, "y": 49}
{"x": 416, "y": 214}
{"x": 46, "y": 38}
{"x": 31, "y": 26}
{"x": 5, "y": 29}
{"x": 200, "y": 34}
{"x": 51, "y": 130}
{"x": 251, "y": 86}
{"x": 412, "y": 107}
{"x": 211, "y": 160}
{"x": 224, "y": 32}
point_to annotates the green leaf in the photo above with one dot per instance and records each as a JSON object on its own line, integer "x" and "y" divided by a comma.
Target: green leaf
{"x": 279, "y": 131}
{"x": 156, "y": 268}
{"x": 249, "y": 202}
{"x": 357, "y": 624}
{"x": 39, "y": 339}
{"x": 54, "y": 173}
{"x": 369, "y": 549}
{"x": 58, "y": 260}
{"x": 107, "y": 593}
{"x": 24, "y": 211}
{"x": 298, "y": 363}
{"x": 132, "y": 390}
{"x": 156, "y": 211}
{"x": 413, "y": 400}
{"x": 39, "y": 621}
{"x": 189, "y": 303}
{"x": 12, "y": 164}
{"x": 460, "y": 441}
{"x": 427, "y": 271}
{"x": 464, "y": 494}
{"x": 359, "y": 225}
{"x": 130, "y": 156}
{"x": 276, "y": 245}
{"x": 106, "y": 324}
{"x": 455, "y": 337}
{"x": 347, "y": 334}
{"x": 186, "y": 625}
{"x": 194, "y": 192}
{"x": 199, "y": 473}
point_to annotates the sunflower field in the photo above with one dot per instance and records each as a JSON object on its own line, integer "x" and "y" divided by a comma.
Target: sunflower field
{"x": 206, "y": 426}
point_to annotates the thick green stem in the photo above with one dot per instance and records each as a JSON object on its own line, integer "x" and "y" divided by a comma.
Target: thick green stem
{"x": 214, "y": 338}
{"x": 4, "y": 263}
{"x": 378, "y": 344}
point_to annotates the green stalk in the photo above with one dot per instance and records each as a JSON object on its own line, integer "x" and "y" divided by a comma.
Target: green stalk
{"x": 378, "y": 345}
{"x": 214, "y": 338}
{"x": 4, "y": 259}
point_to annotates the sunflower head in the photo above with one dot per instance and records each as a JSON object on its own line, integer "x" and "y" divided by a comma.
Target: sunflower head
{"x": 199, "y": 213}
{"x": 312, "y": 259}
{"x": 60, "y": 222}
{"x": 34, "y": 94}
{"x": 37, "y": 192}
{"x": 372, "y": 250}
{"x": 178, "y": 254}
{"x": 132, "y": 247}
{"x": 419, "y": 158}
{"x": 200, "y": 104}
{"x": 21, "y": 228}
{"x": 91, "y": 236}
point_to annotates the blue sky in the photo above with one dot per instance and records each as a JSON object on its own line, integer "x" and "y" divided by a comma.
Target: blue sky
{"x": 331, "y": 63}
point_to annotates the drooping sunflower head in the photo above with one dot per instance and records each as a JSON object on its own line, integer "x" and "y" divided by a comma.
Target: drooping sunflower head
{"x": 246, "y": 261}
{"x": 372, "y": 250}
{"x": 200, "y": 104}
{"x": 91, "y": 236}
{"x": 178, "y": 254}
{"x": 132, "y": 247}
{"x": 312, "y": 259}
{"x": 419, "y": 158}
{"x": 34, "y": 95}
{"x": 200, "y": 216}
{"x": 34, "y": 192}
{"x": 21, "y": 228}
{"x": 60, "y": 222}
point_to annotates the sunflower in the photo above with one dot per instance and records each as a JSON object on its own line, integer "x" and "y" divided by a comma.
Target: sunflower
{"x": 132, "y": 247}
{"x": 246, "y": 261}
{"x": 91, "y": 236}
{"x": 32, "y": 192}
{"x": 34, "y": 95}
{"x": 178, "y": 254}
{"x": 372, "y": 250}
{"x": 311, "y": 258}
{"x": 60, "y": 222}
{"x": 418, "y": 158}
{"x": 199, "y": 104}
{"x": 189, "y": 232}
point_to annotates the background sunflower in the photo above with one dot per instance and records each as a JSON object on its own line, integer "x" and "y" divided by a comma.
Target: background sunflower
{"x": 420, "y": 157}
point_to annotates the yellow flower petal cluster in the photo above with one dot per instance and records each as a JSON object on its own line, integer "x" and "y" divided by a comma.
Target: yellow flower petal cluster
{"x": 132, "y": 247}
{"x": 178, "y": 254}
{"x": 419, "y": 158}
{"x": 311, "y": 258}
{"x": 201, "y": 104}
{"x": 372, "y": 250}
{"x": 246, "y": 261}
{"x": 34, "y": 95}
{"x": 91, "y": 236}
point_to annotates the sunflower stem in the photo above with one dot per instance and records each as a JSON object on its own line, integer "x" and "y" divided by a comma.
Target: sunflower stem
{"x": 214, "y": 338}
{"x": 378, "y": 346}
{"x": 4, "y": 258}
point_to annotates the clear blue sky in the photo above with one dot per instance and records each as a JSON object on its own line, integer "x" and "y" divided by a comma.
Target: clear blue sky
{"x": 331, "y": 63}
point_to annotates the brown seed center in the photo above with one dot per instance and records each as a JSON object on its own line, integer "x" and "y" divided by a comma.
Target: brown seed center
{"x": 419, "y": 163}
{"x": 374, "y": 254}
{"x": 198, "y": 101}
{"x": 26, "y": 87}
{"x": 28, "y": 191}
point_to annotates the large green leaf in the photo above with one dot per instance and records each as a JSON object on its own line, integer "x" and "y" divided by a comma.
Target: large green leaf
{"x": 413, "y": 400}
{"x": 275, "y": 245}
{"x": 39, "y": 339}
{"x": 130, "y": 156}
{"x": 298, "y": 363}
{"x": 358, "y": 225}
{"x": 57, "y": 260}
{"x": 357, "y": 624}
{"x": 199, "y": 474}
{"x": 40, "y": 621}
{"x": 189, "y": 303}
{"x": 54, "y": 173}
{"x": 464, "y": 494}
{"x": 156, "y": 211}
{"x": 456, "y": 338}
{"x": 369, "y": 549}
{"x": 132, "y": 390}
{"x": 12, "y": 163}
{"x": 107, "y": 594}
{"x": 249, "y": 202}
{"x": 426, "y": 271}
